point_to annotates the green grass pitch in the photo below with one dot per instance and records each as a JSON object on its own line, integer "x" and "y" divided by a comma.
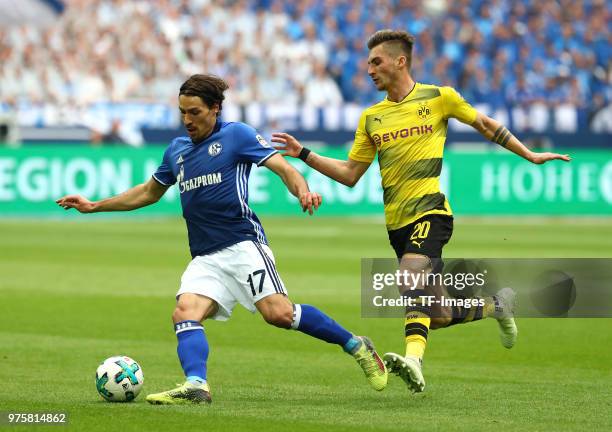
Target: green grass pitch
{"x": 75, "y": 293}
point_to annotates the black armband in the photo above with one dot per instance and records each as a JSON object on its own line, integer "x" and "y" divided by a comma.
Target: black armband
{"x": 304, "y": 154}
{"x": 501, "y": 136}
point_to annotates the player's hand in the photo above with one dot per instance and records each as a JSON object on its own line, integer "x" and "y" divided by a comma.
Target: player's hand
{"x": 540, "y": 158}
{"x": 310, "y": 201}
{"x": 78, "y": 202}
{"x": 287, "y": 144}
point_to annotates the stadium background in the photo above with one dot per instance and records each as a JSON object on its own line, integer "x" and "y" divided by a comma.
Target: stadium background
{"x": 87, "y": 102}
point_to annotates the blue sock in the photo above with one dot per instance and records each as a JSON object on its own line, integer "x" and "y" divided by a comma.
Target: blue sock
{"x": 310, "y": 320}
{"x": 192, "y": 349}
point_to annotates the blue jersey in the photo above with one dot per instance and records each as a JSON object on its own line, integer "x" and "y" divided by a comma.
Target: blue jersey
{"x": 212, "y": 178}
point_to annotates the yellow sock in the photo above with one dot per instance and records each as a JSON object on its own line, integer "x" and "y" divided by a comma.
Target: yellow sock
{"x": 416, "y": 330}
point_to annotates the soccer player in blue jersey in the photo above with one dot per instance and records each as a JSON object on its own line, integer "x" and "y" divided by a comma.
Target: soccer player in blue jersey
{"x": 232, "y": 262}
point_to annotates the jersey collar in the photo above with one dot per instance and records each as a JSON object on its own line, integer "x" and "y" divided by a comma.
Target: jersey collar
{"x": 410, "y": 93}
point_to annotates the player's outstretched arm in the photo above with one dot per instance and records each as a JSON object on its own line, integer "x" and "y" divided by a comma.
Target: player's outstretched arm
{"x": 295, "y": 182}
{"x": 136, "y": 197}
{"x": 496, "y": 132}
{"x": 347, "y": 172}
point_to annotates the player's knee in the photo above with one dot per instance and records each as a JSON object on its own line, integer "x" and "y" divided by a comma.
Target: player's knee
{"x": 415, "y": 263}
{"x": 279, "y": 316}
{"x": 179, "y": 314}
{"x": 185, "y": 311}
{"x": 194, "y": 307}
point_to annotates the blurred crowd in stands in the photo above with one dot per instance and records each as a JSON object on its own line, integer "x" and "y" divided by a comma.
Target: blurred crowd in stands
{"x": 500, "y": 52}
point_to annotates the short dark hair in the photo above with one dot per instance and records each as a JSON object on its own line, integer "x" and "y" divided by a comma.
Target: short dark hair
{"x": 209, "y": 88}
{"x": 399, "y": 40}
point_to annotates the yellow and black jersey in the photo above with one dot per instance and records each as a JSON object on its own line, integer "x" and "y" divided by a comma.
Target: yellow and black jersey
{"x": 409, "y": 137}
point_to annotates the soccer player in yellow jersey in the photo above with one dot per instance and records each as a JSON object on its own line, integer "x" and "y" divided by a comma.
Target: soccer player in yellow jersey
{"x": 408, "y": 130}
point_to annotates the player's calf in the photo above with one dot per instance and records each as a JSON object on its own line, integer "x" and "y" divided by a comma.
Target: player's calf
{"x": 438, "y": 322}
{"x": 418, "y": 316}
{"x": 194, "y": 307}
{"x": 500, "y": 306}
{"x": 278, "y": 310}
{"x": 192, "y": 350}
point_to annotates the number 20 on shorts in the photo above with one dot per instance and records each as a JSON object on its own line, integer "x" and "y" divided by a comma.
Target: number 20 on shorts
{"x": 421, "y": 230}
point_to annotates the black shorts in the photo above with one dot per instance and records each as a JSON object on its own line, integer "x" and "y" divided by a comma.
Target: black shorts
{"x": 425, "y": 236}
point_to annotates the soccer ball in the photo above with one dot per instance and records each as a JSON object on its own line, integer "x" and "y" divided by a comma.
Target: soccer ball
{"x": 119, "y": 379}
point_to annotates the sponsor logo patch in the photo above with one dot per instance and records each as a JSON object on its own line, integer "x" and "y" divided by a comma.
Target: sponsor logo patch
{"x": 262, "y": 141}
{"x": 215, "y": 148}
